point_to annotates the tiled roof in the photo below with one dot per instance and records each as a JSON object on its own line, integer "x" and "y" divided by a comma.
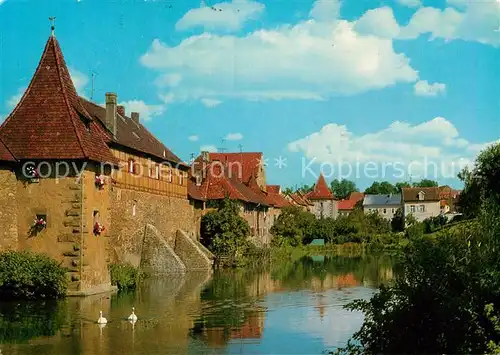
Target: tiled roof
{"x": 217, "y": 185}
{"x": 350, "y": 203}
{"x": 49, "y": 122}
{"x": 275, "y": 198}
{"x": 131, "y": 134}
{"x": 321, "y": 191}
{"x": 5, "y": 154}
{"x": 243, "y": 165}
{"x": 299, "y": 199}
{"x": 410, "y": 194}
{"x": 276, "y": 189}
{"x": 373, "y": 200}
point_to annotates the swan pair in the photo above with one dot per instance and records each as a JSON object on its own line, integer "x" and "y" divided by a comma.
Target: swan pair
{"x": 132, "y": 317}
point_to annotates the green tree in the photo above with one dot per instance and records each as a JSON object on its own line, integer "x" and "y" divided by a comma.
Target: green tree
{"x": 400, "y": 185}
{"x": 381, "y": 188}
{"x": 426, "y": 183}
{"x": 224, "y": 232}
{"x": 343, "y": 188}
{"x": 397, "y": 222}
{"x": 293, "y": 226}
{"x": 482, "y": 182}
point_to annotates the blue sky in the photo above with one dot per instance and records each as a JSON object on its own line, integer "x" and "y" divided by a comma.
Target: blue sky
{"x": 327, "y": 82}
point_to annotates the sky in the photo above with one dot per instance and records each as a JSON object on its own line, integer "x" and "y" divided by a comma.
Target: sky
{"x": 366, "y": 90}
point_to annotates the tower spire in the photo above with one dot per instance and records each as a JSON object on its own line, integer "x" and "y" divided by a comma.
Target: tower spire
{"x": 52, "y": 20}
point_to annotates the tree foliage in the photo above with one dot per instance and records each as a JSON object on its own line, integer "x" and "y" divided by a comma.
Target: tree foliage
{"x": 426, "y": 183}
{"x": 381, "y": 188}
{"x": 343, "y": 188}
{"x": 482, "y": 182}
{"x": 24, "y": 274}
{"x": 224, "y": 232}
{"x": 447, "y": 297}
{"x": 293, "y": 227}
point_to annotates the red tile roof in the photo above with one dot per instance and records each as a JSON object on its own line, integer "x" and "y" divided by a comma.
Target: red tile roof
{"x": 131, "y": 134}
{"x": 242, "y": 165}
{"x": 276, "y": 189}
{"x": 50, "y": 122}
{"x": 321, "y": 191}
{"x": 299, "y": 199}
{"x": 350, "y": 203}
{"x": 5, "y": 154}
{"x": 217, "y": 185}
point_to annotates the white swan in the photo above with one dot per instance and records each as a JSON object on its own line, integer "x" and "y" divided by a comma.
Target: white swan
{"x": 101, "y": 319}
{"x": 132, "y": 317}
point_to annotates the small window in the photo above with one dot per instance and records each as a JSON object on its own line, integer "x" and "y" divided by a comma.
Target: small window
{"x": 169, "y": 175}
{"x": 385, "y": 210}
{"x": 421, "y": 208}
{"x": 412, "y": 208}
{"x": 131, "y": 166}
{"x": 157, "y": 172}
{"x": 96, "y": 217}
{"x": 392, "y": 211}
{"x": 181, "y": 178}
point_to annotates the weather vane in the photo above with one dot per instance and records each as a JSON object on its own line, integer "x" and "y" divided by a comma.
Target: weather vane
{"x": 52, "y": 25}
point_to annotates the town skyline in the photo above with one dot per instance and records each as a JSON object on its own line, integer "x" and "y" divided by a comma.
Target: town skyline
{"x": 412, "y": 107}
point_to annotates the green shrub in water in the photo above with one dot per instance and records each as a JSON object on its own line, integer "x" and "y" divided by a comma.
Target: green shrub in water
{"x": 24, "y": 274}
{"x": 124, "y": 276}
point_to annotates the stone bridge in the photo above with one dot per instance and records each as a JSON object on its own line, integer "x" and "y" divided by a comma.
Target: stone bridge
{"x": 148, "y": 250}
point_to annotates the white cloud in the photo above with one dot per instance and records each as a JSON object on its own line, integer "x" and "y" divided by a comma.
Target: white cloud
{"x": 14, "y": 99}
{"x": 79, "y": 79}
{"x": 436, "y": 140}
{"x": 324, "y": 10}
{"x": 208, "y": 148}
{"x": 410, "y": 3}
{"x": 229, "y": 16}
{"x": 169, "y": 80}
{"x": 466, "y": 20}
{"x": 193, "y": 138}
{"x": 311, "y": 60}
{"x": 234, "y": 137}
{"x": 146, "y": 112}
{"x": 210, "y": 102}
{"x": 379, "y": 22}
{"x": 424, "y": 88}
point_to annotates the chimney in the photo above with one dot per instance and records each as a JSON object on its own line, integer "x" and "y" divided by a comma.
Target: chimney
{"x": 135, "y": 117}
{"x": 205, "y": 156}
{"x": 121, "y": 110}
{"x": 111, "y": 112}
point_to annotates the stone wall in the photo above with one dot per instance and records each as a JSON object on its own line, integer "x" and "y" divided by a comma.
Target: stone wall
{"x": 132, "y": 210}
{"x": 157, "y": 257}
{"x": 8, "y": 209}
{"x": 191, "y": 253}
{"x": 325, "y": 208}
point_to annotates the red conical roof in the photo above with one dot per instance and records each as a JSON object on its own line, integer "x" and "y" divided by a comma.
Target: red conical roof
{"x": 50, "y": 122}
{"x": 321, "y": 191}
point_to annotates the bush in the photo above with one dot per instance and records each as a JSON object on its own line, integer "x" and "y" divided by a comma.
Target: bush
{"x": 124, "y": 276}
{"x": 295, "y": 225}
{"x": 24, "y": 274}
{"x": 224, "y": 232}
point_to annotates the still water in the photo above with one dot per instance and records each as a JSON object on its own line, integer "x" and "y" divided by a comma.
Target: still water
{"x": 290, "y": 307}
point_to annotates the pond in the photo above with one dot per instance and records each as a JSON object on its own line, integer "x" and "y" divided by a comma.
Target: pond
{"x": 289, "y": 307}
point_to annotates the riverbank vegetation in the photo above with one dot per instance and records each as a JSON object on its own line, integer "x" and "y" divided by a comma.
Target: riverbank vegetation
{"x": 26, "y": 275}
{"x": 124, "y": 276}
{"x": 447, "y": 297}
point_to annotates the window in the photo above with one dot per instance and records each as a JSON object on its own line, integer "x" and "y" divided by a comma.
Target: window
{"x": 393, "y": 210}
{"x": 169, "y": 175}
{"x": 385, "y": 210}
{"x": 181, "y": 178}
{"x": 132, "y": 167}
{"x": 412, "y": 208}
{"x": 421, "y": 208}
{"x": 157, "y": 172}
{"x": 421, "y": 196}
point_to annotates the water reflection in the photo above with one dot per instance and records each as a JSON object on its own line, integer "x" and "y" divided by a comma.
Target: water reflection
{"x": 289, "y": 307}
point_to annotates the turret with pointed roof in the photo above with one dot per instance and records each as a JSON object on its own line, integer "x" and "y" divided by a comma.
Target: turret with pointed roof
{"x": 320, "y": 191}
{"x": 49, "y": 122}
